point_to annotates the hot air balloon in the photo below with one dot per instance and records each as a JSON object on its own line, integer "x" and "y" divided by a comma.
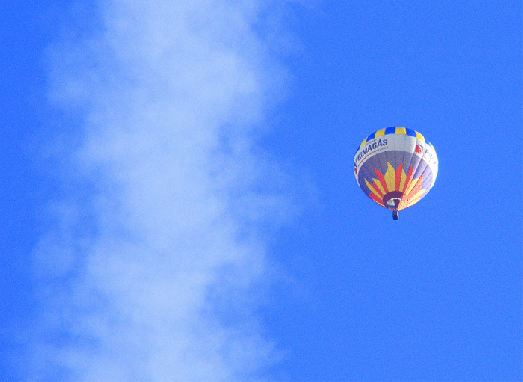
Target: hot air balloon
{"x": 395, "y": 167}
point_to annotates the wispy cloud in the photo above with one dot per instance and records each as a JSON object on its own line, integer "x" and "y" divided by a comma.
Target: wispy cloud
{"x": 153, "y": 266}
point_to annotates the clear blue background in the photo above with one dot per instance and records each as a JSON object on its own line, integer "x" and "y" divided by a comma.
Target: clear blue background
{"x": 436, "y": 295}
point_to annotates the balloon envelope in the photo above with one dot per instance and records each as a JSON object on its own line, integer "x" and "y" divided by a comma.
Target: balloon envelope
{"x": 395, "y": 167}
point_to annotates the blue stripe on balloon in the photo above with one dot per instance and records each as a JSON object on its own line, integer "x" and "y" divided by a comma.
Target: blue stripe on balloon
{"x": 410, "y": 132}
{"x": 390, "y": 130}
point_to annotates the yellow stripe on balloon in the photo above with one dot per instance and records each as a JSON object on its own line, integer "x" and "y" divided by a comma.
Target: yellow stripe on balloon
{"x": 411, "y": 186}
{"x": 390, "y": 177}
{"x": 410, "y": 202}
{"x": 374, "y": 187}
{"x": 379, "y": 133}
{"x": 379, "y": 185}
{"x": 403, "y": 179}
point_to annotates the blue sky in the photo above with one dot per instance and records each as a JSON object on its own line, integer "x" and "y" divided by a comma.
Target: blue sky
{"x": 178, "y": 197}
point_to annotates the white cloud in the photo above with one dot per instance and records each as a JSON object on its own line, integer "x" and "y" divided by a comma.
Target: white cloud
{"x": 152, "y": 268}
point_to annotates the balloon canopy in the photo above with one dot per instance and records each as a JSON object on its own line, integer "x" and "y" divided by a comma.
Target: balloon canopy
{"x": 395, "y": 167}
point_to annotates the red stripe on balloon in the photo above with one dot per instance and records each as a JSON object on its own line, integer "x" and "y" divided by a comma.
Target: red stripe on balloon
{"x": 409, "y": 178}
{"x": 399, "y": 171}
{"x": 382, "y": 180}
